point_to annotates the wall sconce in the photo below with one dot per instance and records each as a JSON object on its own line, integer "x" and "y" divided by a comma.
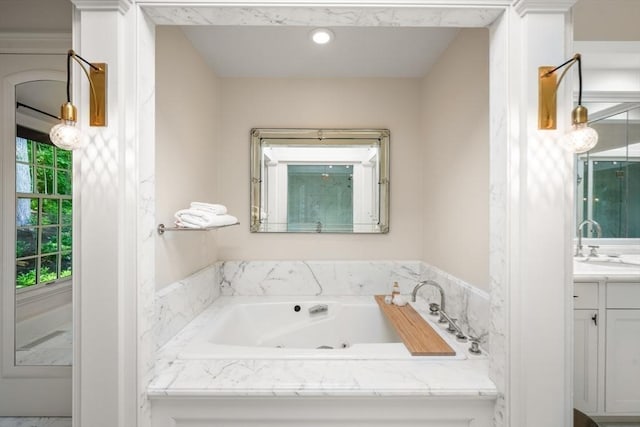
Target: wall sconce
{"x": 65, "y": 134}
{"x": 581, "y": 138}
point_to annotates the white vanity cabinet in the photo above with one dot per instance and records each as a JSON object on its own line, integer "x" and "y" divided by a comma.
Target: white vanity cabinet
{"x": 585, "y": 367}
{"x": 622, "y": 371}
{"x": 607, "y": 347}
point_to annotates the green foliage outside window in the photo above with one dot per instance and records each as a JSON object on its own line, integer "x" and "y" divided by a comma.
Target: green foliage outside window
{"x": 43, "y": 213}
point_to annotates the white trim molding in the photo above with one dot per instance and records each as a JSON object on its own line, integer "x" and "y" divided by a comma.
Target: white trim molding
{"x": 121, "y": 6}
{"x": 523, "y": 7}
{"x": 609, "y": 96}
{"x": 35, "y": 43}
{"x": 50, "y": 386}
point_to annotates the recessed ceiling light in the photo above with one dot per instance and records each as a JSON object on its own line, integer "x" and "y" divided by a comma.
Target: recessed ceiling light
{"x": 321, "y": 36}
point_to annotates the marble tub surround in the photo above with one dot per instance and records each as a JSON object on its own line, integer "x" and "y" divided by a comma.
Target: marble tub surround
{"x": 179, "y": 303}
{"x": 418, "y": 376}
{"x": 274, "y": 278}
{"x": 469, "y": 305}
{"x": 464, "y": 302}
{"x": 200, "y": 378}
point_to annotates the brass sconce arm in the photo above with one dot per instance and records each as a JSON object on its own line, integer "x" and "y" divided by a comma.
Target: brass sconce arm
{"x": 65, "y": 135}
{"x": 582, "y": 138}
{"x": 548, "y": 84}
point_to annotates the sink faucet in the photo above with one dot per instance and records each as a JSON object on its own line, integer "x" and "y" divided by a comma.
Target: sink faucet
{"x": 579, "y": 231}
{"x": 438, "y": 287}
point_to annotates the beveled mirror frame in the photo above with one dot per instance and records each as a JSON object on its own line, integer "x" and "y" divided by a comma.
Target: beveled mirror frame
{"x": 324, "y": 137}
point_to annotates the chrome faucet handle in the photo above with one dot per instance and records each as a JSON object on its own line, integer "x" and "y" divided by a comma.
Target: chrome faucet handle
{"x": 475, "y": 345}
{"x": 434, "y": 309}
{"x": 594, "y": 250}
{"x": 452, "y": 327}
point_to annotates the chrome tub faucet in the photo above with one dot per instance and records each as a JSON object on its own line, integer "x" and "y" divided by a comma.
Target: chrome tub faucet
{"x": 319, "y": 308}
{"x": 414, "y": 294}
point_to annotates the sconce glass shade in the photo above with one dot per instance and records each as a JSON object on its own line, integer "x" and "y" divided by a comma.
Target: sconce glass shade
{"x": 66, "y": 135}
{"x": 580, "y": 139}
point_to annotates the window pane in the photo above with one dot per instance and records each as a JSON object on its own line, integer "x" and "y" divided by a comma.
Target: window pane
{"x": 63, "y": 159}
{"x": 26, "y": 242}
{"x": 50, "y": 211}
{"x": 26, "y": 212}
{"x": 44, "y": 154}
{"x": 45, "y": 180}
{"x": 48, "y": 268}
{"x": 24, "y": 151}
{"x": 65, "y": 265}
{"x": 25, "y": 272}
{"x": 64, "y": 182}
{"x": 49, "y": 240}
{"x": 65, "y": 238}
{"x": 24, "y": 178}
{"x": 66, "y": 212}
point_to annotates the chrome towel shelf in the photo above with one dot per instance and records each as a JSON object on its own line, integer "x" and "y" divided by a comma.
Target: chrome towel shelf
{"x": 162, "y": 228}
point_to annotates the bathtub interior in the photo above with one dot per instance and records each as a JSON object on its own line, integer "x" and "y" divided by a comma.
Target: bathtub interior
{"x": 284, "y": 328}
{"x": 294, "y": 325}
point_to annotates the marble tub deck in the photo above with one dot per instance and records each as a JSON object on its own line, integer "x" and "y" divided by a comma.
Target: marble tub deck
{"x": 176, "y": 377}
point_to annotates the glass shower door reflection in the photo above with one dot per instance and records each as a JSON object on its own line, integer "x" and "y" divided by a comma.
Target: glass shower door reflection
{"x": 320, "y": 198}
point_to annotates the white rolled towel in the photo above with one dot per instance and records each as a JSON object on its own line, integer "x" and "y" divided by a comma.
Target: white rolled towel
{"x": 195, "y": 218}
{"x": 209, "y": 207}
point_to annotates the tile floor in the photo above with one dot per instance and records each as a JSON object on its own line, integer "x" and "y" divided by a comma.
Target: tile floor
{"x": 35, "y": 422}
{"x": 66, "y": 422}
{"x": 54, "y": 349}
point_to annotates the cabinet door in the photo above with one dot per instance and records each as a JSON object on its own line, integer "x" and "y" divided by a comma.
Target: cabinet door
{"x": 622, "y": 393}
{"x": 585, "y": 366}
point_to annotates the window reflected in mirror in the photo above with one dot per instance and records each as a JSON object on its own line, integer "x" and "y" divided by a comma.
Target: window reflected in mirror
{"x": 42, "y": 199}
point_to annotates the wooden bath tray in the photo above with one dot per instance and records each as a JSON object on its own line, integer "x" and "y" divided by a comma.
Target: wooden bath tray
{"x": 418, "y": 336}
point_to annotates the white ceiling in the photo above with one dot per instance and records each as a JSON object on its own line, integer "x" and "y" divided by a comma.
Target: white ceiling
{"x": 45, "y": 95}
{"x": 287, "y": 51}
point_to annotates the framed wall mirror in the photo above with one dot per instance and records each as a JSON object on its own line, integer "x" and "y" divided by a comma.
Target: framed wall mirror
{"x": 608, "y": 176}
{"x": 319, "y": 180}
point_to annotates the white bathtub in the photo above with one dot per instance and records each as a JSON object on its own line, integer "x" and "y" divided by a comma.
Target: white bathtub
{"x": 284, "y": 328}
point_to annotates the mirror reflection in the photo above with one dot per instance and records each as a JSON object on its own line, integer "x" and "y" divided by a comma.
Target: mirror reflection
{"x": 608, "y": 177}
{"x": 320, "y": 181}
{"x": 43, "y": 230}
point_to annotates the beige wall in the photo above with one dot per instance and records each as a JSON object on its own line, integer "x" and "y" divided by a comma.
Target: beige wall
{"x": 187, "y": 127}
{"x": 455, "y": 157}
{"x": 439, "y": 158}
{"x": 340, "y": 103}
{"x": 606, "y": 20}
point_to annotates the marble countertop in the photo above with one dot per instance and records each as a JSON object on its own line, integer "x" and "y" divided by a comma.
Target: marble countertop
{"x": 199, "y": 378}
{"x": 621, "y": 267}
{"x": 176, "y": 377}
